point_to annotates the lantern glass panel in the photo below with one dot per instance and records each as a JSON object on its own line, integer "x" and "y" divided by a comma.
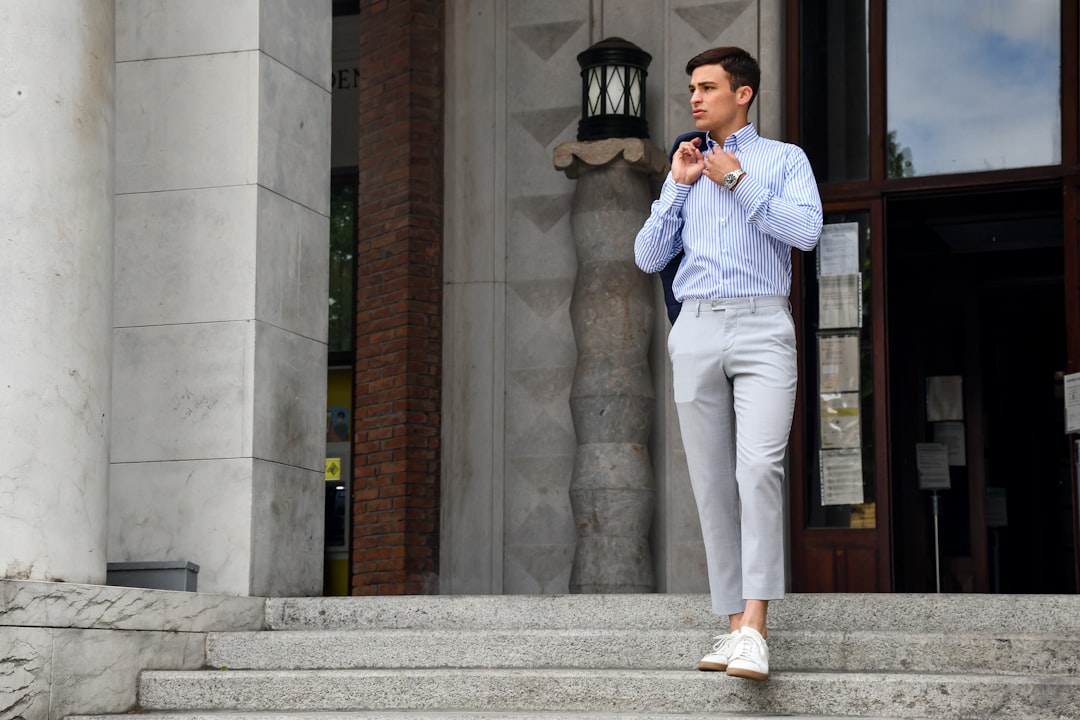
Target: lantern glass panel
{"x": 615, "y": 89}
{"x": 635, "y": 92}
{"x": 594, "y": 90}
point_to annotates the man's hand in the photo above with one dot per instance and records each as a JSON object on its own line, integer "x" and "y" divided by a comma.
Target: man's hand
{"x": 719, "y": 163}
{"x": 687, "y": 163}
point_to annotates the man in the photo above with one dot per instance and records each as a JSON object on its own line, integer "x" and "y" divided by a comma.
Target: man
{"x": 734, "y": 204}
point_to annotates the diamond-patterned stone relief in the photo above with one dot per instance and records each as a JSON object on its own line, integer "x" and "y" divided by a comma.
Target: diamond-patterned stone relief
{"x": 546, "y": 39}
{"x": 545, "y": 125}
{"x": 538, "y": 568}
{"x": 712, "y": 19}
{"x": 543, "y": 211}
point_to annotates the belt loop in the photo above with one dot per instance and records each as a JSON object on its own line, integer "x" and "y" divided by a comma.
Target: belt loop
{"x": 753, "y": 306}
{"x": 698, "y": 309}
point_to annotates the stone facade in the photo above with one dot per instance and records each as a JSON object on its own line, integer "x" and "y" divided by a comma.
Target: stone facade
{"x": 168, "y": 328}
{"x": 203, "y": 128}
{"x": 514, "y": 95}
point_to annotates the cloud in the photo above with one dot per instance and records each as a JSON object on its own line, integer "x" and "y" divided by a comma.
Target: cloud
{"x": 974, "y": 84}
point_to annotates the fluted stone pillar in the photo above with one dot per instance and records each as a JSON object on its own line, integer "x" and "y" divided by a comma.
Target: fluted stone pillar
{"x": 56, "y": 180}
{"x": 611, "y": 400}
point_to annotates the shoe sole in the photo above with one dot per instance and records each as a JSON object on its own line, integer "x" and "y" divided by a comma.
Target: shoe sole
{"x": 711, "y": 666}
{"x": 746, "y": 673}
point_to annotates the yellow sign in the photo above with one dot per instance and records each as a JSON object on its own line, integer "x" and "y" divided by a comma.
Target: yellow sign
{"x": 333, "y": 468}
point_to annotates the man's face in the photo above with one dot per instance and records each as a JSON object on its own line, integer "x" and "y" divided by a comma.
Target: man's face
{"x": 714, "y": 105}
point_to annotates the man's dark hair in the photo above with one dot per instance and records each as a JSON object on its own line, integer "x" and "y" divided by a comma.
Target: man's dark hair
{"x": 740, "y": 66}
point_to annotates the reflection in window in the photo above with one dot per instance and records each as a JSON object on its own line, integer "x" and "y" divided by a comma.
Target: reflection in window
{"x": 973, "y": 85}
{"x": 342, "y": 317}
{"x": 835, "y": 98}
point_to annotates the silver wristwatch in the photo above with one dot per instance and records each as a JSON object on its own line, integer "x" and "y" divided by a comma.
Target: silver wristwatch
{"x": 732, "y": 178}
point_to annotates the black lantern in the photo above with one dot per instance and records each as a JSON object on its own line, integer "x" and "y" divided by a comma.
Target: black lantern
{"x": 613, "y": 90}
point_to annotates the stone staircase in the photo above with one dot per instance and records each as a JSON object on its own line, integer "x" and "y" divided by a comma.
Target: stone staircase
{"x": 632, "y": 656}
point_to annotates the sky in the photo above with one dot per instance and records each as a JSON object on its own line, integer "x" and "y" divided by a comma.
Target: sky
{"x": 975, "y": 84}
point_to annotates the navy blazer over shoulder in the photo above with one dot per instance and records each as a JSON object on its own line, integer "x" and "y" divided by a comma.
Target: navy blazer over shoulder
{"x": 667, "y": 275}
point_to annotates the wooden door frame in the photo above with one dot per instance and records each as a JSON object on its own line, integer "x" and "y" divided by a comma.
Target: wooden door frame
{"x": 1072, "y": 322}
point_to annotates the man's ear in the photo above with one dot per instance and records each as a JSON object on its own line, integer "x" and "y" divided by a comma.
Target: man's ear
{"x": 744, "y": 94}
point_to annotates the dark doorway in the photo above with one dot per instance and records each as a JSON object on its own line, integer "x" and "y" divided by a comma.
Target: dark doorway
{"x": 976, "y": 292}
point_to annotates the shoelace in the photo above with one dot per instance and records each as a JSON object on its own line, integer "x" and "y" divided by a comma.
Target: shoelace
{"x": 744, "y": 651}
{"x": 722, "y": 640}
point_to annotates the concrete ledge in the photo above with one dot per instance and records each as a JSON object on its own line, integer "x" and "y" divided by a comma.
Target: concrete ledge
{"x": 80, "y": 648}
{"x": 104, "y": 607}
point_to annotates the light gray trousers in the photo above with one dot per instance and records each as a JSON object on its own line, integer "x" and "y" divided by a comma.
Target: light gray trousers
{"x": 735, "y": 370}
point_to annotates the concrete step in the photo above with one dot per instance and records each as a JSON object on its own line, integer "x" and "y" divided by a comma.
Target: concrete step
{"x": 450, "y": 715}
{"x": 633, "y": 692}
{"x": 979, "y": 614}
{"x": 674, "y": 649}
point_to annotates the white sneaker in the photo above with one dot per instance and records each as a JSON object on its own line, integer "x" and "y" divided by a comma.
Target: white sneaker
{"x": 721, "y": 651}
{"x": 750, "y": 656}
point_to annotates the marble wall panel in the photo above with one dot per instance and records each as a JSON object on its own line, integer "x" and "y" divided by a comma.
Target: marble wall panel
{"x": 543, "y": 107}
{"x": 189, "y": 256}
{"x": 307, "y": 53}
{"x": 97, "y": 671}
{"x": 183, "y": 392}
{"x": 26, "y": 672}
{"x": 474, "y": 300}
{"x": 69, "y": 649}
{"x": 287, "y": 530}
{"x": 471, "y": 548}
{"x": 292, "y": 281}
{"x": 188, "y": 122}
{"x": 193, "y": 510}
{"x": 475, "y": 142}
{"x": 289, "y": 401}
{"x": 294, "y": 135}
{"x": 147, "y": 29}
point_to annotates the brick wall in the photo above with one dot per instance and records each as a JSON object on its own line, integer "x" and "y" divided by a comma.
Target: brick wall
{"x": 395, "y": 546}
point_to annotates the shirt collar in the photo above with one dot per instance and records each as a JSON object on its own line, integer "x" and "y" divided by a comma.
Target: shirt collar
{"x": 738, "y": 140}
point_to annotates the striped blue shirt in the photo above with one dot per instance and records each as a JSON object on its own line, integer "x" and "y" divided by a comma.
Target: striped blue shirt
{"x": 737, "y": 243}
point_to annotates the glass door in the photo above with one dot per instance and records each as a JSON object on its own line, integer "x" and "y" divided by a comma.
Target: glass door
{"x": 839, "y": 491}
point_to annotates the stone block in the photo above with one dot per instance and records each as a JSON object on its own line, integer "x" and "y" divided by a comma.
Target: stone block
{"x": 188, "y": 122}
{"x": 293, "y": 135}
{"x": 163, "y": 510}
{"x": 298, "y": 35}
{"x": 148, "y": 29}
{"x": 183, "y": 392}
{"x": 288, "y": 405}
{"x": 287, "y": 530}
{"x": 189, "y": 256}
{"x": 291, "y": 277}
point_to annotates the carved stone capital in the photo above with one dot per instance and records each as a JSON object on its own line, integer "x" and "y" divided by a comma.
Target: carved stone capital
{"x": 578, "y": 158}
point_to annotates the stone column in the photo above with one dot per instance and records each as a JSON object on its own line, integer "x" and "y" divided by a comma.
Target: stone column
{"x": 612, "y": 400}
{"x": 220, "y": 312}
{"x": 56, "y": 178}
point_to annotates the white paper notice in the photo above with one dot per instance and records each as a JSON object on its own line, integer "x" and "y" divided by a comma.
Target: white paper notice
{"x": 944, "y": 398}
{"x": 841, "y": 477}
{"x": 838, "y": 361}
{"x": 932, "y": 461}
{"x": 951, "y": 435}
{"x": 840, "y": 420}
{"x": 1072, "y": 403}
{"x": 838, "y": 249}
{"x": 840, "y": 301}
